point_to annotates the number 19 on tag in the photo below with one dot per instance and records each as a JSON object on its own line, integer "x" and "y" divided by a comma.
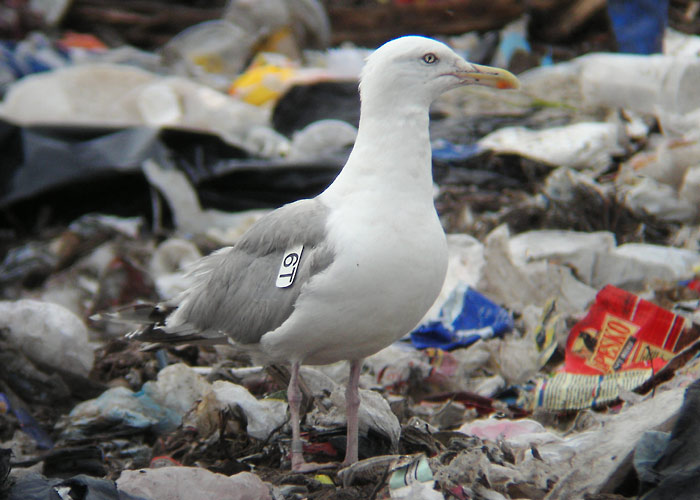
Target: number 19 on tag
{"x": 289, "y": 266}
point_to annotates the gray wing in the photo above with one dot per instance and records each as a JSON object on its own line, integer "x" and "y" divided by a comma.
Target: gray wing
{"x": 234, "y": 291}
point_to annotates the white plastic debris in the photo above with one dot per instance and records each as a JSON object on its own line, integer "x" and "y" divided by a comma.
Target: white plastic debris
{"x": 679, "y": 262}
{"x": 472, "y": 359}
{"x": 178, "y": 387}
{"x": 393, "y": 365}
{"x": 321, "y": 138}
{"x": 645, "y": 83}
{"x": 579, "y": 146}
{"x": 159, "y": 105}
{"x": 667, "y": 162}
{"x": 515, "y": 359}
{"x": 660, "y": 200}
{"x": 636, "y": 127}
{"x": 627, "y": 272}
{"x": 680, "y": 44}
{"x": 598, "y": 261}
{"x": 264, "y": 415}
{"x": 173, "y": 255}
{"x": 189, "y": 216}
{"x": 465, "y": 264}
{"x": 561, "y": 184}
{"x": 690, "y": 187}
{"x": 561, "y": 246}
{"x": 48, "y": 334}
{"x": 213, "y": 52}
{"x": 491, "y": 386}
{"x": 169, "y": 263}
{"x": 516, "y": 286}
{"x": 344, "y": 62}
{"x": 120, "y": 95}
{"x": 556, "y": 83}
{"x": 100, "y": 94}
{"x": 595, "y": 459}
{"x": 374, "y": 412}
{"x": 192, "y": 483}
{"x": 191, "y": 105}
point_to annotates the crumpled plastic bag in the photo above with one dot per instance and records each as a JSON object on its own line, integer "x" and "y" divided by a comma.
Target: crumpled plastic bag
{"x": 466, "y": 317}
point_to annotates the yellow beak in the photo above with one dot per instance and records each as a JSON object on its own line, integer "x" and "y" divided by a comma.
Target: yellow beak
{"x": 475, "y": 74}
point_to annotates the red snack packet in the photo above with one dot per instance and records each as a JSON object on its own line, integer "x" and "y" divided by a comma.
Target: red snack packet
{"x": 623, "y": 332}
{"x": 618, "y": 345}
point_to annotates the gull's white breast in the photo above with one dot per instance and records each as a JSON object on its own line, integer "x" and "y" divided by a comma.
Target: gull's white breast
{"x": 390, "y": 264}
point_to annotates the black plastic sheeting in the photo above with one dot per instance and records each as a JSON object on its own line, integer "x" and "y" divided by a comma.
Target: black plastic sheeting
{"x": 5, "y": 456}
{"x": 676, "y": 473}
{"x": 54, "y": 174}
{"x": 59, "y": 173}
{"x": 33, "y": 486}
{"x": 304, "y": 104}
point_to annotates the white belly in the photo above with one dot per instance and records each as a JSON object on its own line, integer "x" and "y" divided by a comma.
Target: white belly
{"x": 388, "y": 270}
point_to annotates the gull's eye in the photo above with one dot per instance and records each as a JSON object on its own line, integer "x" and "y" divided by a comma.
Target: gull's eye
{"x": 430, "y": 58}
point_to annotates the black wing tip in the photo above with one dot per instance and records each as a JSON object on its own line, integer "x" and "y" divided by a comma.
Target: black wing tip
{"x": 156, "y": 334}
{"x": 139, "y": 313}
{"x": 146, "y": 323}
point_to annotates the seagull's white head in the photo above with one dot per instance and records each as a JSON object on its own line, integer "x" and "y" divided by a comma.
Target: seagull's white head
{"x": 415, "y": 69}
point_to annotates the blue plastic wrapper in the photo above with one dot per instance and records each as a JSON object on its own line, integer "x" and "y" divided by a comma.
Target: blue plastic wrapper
{"x": 27, "y": 423}
{"x": 466, "y": 317}
{"x": 448, "y": 151}
{"x": 511, "y": 42}
{"x": 33, "y": 55}
{"x": 639, "y": 25}
{"x": 31, "y": 427}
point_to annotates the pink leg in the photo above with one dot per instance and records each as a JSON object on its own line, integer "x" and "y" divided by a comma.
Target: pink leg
{"x": 294, "y": 399}
{"x": 352, "y": 403}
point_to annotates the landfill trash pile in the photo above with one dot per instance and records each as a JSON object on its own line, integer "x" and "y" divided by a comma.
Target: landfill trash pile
{"x": 559, "y": 361}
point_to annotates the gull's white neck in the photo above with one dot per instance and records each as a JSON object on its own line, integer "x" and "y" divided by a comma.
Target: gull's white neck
{"x": 391, "y": 156}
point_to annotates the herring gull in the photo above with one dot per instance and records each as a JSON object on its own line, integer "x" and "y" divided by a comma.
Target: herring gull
{"x": 345, "y": 274}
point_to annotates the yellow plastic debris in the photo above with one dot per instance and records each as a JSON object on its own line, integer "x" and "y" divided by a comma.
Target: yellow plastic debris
{"x": 324, "y": 479}
{"x": 268, "y": 76}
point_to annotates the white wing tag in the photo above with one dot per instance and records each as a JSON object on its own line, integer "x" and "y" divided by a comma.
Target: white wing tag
{"x": 289, "y": 266}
